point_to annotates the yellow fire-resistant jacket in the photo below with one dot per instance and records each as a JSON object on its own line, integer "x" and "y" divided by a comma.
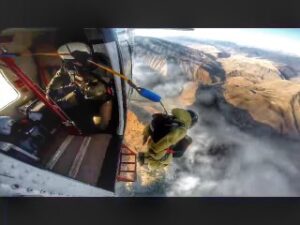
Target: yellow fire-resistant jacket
{"x": 156, "y": 155}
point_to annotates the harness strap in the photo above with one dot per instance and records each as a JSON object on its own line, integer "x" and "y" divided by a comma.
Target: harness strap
{"x": 170, "y": 151}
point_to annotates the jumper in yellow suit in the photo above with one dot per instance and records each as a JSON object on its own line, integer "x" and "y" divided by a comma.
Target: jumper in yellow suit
{"x": 157, "y": 155}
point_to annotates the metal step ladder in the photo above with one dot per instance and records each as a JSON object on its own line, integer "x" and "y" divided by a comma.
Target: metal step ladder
{"x": 127, "y": 165}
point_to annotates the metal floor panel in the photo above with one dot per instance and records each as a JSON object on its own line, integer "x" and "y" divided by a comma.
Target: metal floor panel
{"x": 82, "y": 158}
{"x": 91, "y": 166}
{"x": 65, "y": 162}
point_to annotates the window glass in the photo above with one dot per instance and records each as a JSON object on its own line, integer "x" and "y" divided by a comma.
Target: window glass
{"x": 8, "y": 94}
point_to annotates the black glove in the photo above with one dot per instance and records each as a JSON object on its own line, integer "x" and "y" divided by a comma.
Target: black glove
{"x": 81, "y": 57}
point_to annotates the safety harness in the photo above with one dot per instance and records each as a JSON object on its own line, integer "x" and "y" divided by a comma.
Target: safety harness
{"x": 161, "y": 125}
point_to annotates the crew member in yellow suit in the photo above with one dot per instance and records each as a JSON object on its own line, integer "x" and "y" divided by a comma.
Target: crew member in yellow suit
{"x": 166, "y": 137}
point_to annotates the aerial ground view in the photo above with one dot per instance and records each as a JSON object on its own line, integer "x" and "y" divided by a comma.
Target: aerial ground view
{"x": 245, "y": 86}
{"x": 150, "y": 112}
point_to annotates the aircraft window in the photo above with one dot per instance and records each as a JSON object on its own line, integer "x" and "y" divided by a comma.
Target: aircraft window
{"x": 8, "y": 93}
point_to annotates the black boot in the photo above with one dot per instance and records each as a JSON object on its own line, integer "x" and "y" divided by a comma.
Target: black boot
{"x": 141, "y": 158}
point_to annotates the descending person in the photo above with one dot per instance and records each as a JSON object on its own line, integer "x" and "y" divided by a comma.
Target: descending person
{"x": 166, "y": 137}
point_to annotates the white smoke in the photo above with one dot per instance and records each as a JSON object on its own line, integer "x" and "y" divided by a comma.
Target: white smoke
{"x": 248, "y": 166}
{"x": 167, "y": 86}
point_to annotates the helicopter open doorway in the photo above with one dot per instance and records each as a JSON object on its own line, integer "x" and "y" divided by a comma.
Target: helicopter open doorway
{"x": 91, "y": 158}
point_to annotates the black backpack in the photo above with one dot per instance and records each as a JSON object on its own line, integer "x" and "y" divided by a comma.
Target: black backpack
{"x": 162, "y": 124}
{"x": 181, "y": 146}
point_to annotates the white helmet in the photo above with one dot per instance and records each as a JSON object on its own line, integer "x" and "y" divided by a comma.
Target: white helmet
{"x": 6, "y": 124}
{"x": 71, "y": 47}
